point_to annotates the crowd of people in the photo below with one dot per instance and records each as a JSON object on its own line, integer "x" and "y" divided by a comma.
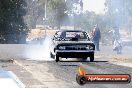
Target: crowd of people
{"x": 95, "y": 36}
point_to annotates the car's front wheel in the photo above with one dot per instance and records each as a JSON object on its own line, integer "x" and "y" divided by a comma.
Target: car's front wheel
{"x": 92, "y": 57}
{"x": 56, "y": 58}
{"x": 51, "y": 55}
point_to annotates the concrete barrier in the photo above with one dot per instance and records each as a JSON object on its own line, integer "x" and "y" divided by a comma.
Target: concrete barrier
{"x": 9, "y": 80}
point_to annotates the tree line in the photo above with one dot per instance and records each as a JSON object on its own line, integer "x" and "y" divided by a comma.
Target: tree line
{"x": 18, "y": 16}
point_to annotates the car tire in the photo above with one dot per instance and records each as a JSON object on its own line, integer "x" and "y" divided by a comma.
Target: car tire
{"x": 51, "y": 55}
{"x": 92, "y": 57}
{"x": 56, "y": 58}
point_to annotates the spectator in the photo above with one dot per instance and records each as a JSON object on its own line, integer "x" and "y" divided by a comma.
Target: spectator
{"x": 117, "y": 46}
{"x": 96, "y": 37}
{"x": 113, "y": 35}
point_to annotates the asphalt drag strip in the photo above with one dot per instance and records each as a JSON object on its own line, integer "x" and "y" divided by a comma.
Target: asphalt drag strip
{"x": 67, "y": 71}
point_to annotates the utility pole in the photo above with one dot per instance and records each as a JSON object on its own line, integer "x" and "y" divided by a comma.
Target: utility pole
{"x": 45, "y": 17}
{"x": 45, "y": 9}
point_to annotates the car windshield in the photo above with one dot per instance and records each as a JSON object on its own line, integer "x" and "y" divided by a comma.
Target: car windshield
{"x": 74, "y": 34}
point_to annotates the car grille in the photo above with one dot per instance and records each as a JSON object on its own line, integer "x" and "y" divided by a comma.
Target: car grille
{"x": 76, "y": 47}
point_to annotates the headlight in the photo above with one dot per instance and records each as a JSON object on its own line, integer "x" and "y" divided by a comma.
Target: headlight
{"x": 88, "y": 47}
{"x": 91, "y": 47}
{"x": 62, "y": 47}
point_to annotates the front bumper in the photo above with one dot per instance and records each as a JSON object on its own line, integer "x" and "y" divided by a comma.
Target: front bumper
{"x": 74, "y": 53}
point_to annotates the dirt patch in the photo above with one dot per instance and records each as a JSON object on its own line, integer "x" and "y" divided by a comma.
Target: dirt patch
{"x": 40, "y": 33}
{"x": 50, "y": 32}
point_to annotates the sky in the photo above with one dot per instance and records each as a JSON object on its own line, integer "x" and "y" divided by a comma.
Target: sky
{"x": 94, "y": 5}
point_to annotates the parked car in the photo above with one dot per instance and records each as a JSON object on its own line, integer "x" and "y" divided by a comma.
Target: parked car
{"x": 71, "y": 44}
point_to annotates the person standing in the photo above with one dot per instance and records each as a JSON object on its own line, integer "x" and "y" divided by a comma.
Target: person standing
{"x": 117, "y": 46}
{"x": 112, "y": 35}
{"x": 96, "y": 37}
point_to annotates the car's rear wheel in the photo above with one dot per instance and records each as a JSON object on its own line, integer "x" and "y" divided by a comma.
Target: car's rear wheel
{"x": 92, "y": 57}
{"x": 56, "y": 58}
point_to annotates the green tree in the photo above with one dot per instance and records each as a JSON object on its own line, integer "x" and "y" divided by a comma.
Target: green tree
{"x": 56, "y": 12}
{"x": 35, "y": 8}
{"x": 119, "y": 12}
{"x": 12, "y": 26}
